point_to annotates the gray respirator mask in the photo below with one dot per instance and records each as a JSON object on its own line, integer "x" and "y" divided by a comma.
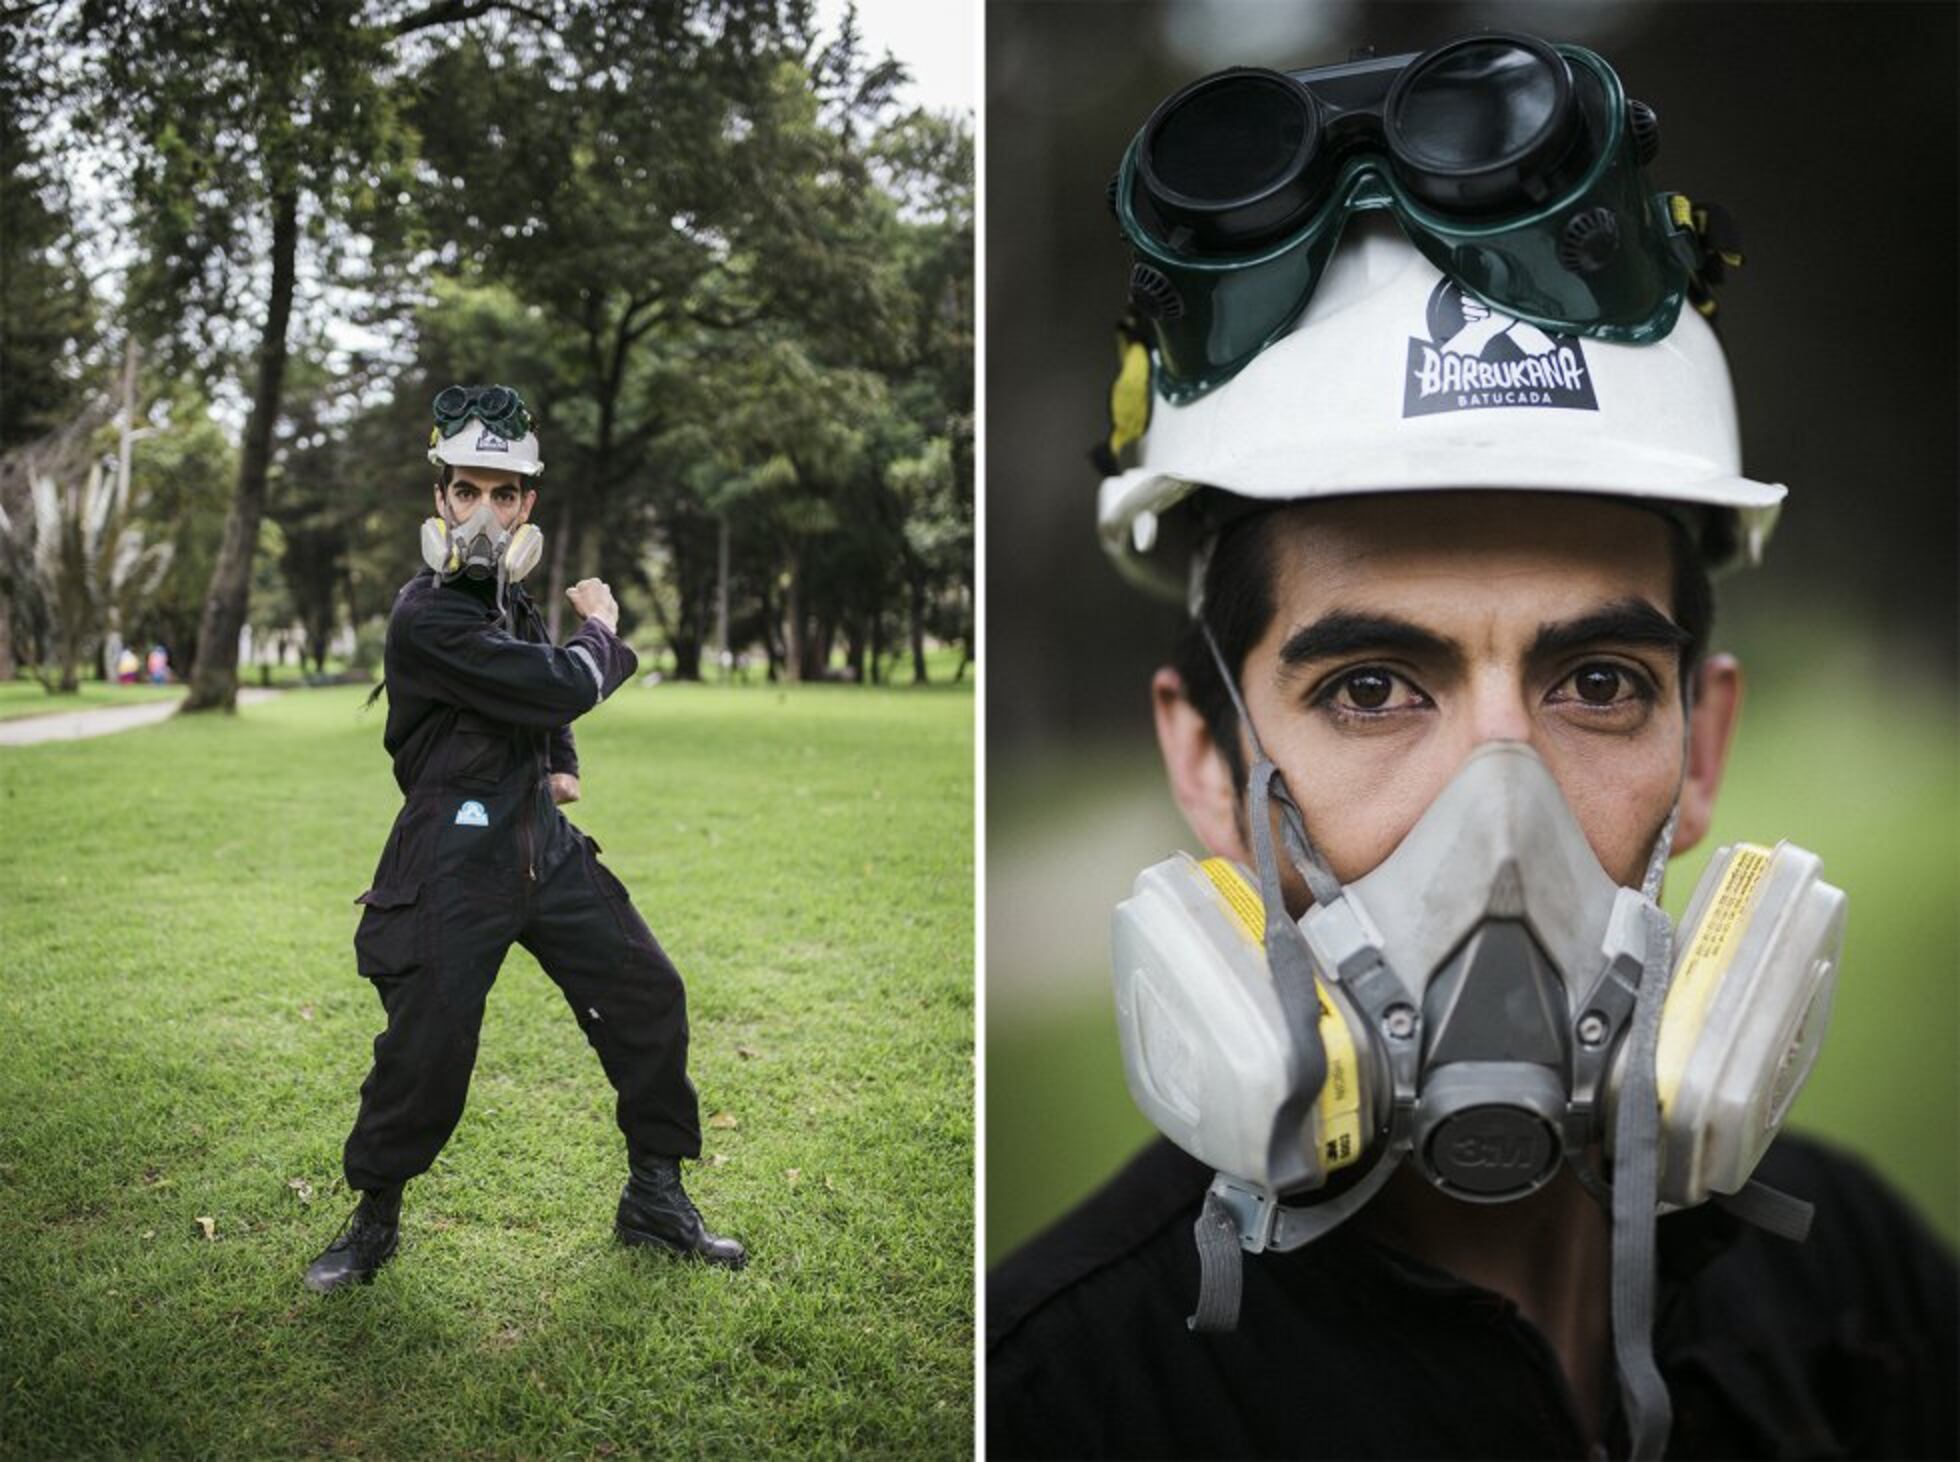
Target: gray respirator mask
{"x": 1488, "y": 1004}
{"x": 480, "y": 547}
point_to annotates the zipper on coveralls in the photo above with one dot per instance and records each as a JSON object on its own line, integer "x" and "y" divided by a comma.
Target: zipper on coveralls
{"x": 540, "y": 782}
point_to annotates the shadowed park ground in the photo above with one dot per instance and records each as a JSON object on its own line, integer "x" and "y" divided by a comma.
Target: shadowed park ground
{"x": 185, "y": 1036}
{"x": 1858, "y": 762}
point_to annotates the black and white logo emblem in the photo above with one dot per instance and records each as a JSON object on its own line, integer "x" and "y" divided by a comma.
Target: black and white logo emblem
{"x": 1476, "y": 357}
{"x": 489, "y": 441}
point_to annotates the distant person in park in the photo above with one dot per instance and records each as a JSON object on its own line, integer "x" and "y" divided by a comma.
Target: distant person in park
{"x": 128, "y": 666}
{"x": 480, "y": 706}
{"x": 1467, "y": 1150}
{"x": 159, "y": 665}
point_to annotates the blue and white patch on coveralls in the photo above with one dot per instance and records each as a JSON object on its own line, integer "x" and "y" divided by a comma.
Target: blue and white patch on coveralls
{"x": 471, "y": 814}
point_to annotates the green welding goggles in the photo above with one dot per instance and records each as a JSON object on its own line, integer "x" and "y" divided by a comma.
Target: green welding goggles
{"x": 497, "y": 407}
{"x": 1513, "y": 164}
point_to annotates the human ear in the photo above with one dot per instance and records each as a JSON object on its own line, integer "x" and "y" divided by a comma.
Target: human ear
{"x": 1200, "y": 776}
{"x": 1711, "y": 726}
{"x": 527, "y": 499}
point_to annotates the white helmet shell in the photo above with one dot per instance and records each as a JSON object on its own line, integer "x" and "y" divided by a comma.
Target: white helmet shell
{"x": 1394, "y": 381}
{"x": 477, "y": 446}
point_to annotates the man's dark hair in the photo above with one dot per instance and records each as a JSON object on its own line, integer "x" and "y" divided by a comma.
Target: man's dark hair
{"x": 1239, "y": 605}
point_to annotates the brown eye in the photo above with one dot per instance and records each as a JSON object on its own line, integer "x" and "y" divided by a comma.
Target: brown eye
{"x": 1598, "y": 685}
{"x": 1368, "y": 689}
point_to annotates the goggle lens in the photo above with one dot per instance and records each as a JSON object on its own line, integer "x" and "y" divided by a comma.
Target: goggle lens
{"x": 1477, "y": 105}
{"x": 1229, "y": 140}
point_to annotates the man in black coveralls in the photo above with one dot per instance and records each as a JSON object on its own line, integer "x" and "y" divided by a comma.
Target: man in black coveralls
{"x": 480, "y": 706}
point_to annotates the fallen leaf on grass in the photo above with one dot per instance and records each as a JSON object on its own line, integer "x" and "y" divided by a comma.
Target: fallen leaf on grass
{"x": 306, "y": 1012}
{"x": 149, "y": 1233}
{"x": 301, "y": 1189}
{"x": 747, "y": 1053}
{"x": 210, "y": 1227}
{"x": 828, "y": 1186}
{"x": 792, "y": 1174}
{"x": 724, "y": 1122}
{"x": 717, "y": 1159}
{"x": 151, "y": 1177}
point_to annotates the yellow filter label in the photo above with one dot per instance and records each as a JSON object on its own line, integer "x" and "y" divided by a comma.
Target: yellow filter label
{"x": 1701, "y": 969}
{"x": 1339, "y": 1103}
{"x": 1241, "y": 899}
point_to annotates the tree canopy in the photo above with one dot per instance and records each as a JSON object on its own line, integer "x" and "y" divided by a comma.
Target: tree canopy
{"x": 731, "y": 276}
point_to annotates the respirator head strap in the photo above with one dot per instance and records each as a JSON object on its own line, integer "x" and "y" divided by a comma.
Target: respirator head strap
{"x": 1221, "y": 1268}
{"x": 1636, "y": 1201}
{"x": 1320, "y": 878}
{"x": 1286, "y": 946}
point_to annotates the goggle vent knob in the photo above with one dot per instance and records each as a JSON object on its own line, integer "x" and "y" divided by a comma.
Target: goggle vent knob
{"x": 1589, "y": 241}
{"x": 1153, "y": 294}
{"x": 1646, "y": 130}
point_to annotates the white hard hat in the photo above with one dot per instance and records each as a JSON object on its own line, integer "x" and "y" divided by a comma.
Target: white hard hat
{"x": 478, "y": 446}
{"x": 1394, "y": 381}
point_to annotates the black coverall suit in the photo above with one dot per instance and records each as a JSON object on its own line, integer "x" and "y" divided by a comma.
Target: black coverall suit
{"x": 479, "y": 857}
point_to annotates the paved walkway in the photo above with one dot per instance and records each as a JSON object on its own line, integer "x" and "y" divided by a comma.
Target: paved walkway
{"x": 103, "y": 720}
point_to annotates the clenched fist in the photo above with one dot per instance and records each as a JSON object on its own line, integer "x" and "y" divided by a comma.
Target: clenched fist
{"x": 593, "y": 600}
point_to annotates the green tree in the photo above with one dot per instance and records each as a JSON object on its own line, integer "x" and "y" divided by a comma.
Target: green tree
{"x": 47, "y": 310}
{"x": 248, "y": 144}
{"x": 605, "y": 184}
{"x": 186, "y": 468}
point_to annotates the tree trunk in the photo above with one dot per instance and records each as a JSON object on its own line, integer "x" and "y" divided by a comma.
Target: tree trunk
{"x": 918, "y": 585}
{"x": 687, "y": 656}
{"x": 214, "y": 675}
{"x": 555, "y": 585}
{"x": 854, "y": 652}
{"x": 71, "y": 663}
{"x": 7, "y": 667}
{"x": 793, "y": 627}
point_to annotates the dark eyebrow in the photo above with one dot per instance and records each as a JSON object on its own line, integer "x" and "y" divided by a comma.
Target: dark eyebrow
{"x": 1345, "y": 633}
{"x": 1625, "y": 622}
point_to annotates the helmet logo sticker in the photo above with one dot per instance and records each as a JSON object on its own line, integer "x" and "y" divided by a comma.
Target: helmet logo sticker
{"x": 1477, "y": 357}
{"x": 489, "y": 441}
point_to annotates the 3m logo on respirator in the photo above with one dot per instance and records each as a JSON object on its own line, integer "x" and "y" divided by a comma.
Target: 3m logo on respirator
{"x": 1482, "y": 1150}
{"x": 1477, "y": 357}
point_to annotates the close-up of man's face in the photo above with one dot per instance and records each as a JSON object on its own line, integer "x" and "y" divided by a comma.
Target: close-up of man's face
{"x": 1407, "y": 630}
{"x": 471, "y": 487}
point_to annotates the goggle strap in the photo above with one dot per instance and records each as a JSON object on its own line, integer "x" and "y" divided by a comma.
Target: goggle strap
{"x": 1715, "y": 242}
{"x": 1129, "y": 397}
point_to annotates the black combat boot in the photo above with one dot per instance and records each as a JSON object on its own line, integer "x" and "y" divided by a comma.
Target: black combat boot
{"x": 655, "y": 1211}
{"x": 365, "y": 1242}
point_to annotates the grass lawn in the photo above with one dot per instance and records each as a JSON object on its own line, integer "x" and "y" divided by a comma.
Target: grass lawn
{"x": 184, "y": 1038}
{"x": 1858, "y": 770}
{"x": 26, "y": 698}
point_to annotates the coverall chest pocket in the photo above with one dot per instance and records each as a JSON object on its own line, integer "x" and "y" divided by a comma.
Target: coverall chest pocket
{"x": 392, "y": 938}
{"x": 479, "y": 754}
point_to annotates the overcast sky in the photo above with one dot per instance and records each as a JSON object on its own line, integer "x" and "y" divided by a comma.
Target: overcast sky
{"x": 938, "y": 40}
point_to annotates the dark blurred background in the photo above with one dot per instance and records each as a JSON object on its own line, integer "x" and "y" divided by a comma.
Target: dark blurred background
{"x": 1829, "y": 131}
